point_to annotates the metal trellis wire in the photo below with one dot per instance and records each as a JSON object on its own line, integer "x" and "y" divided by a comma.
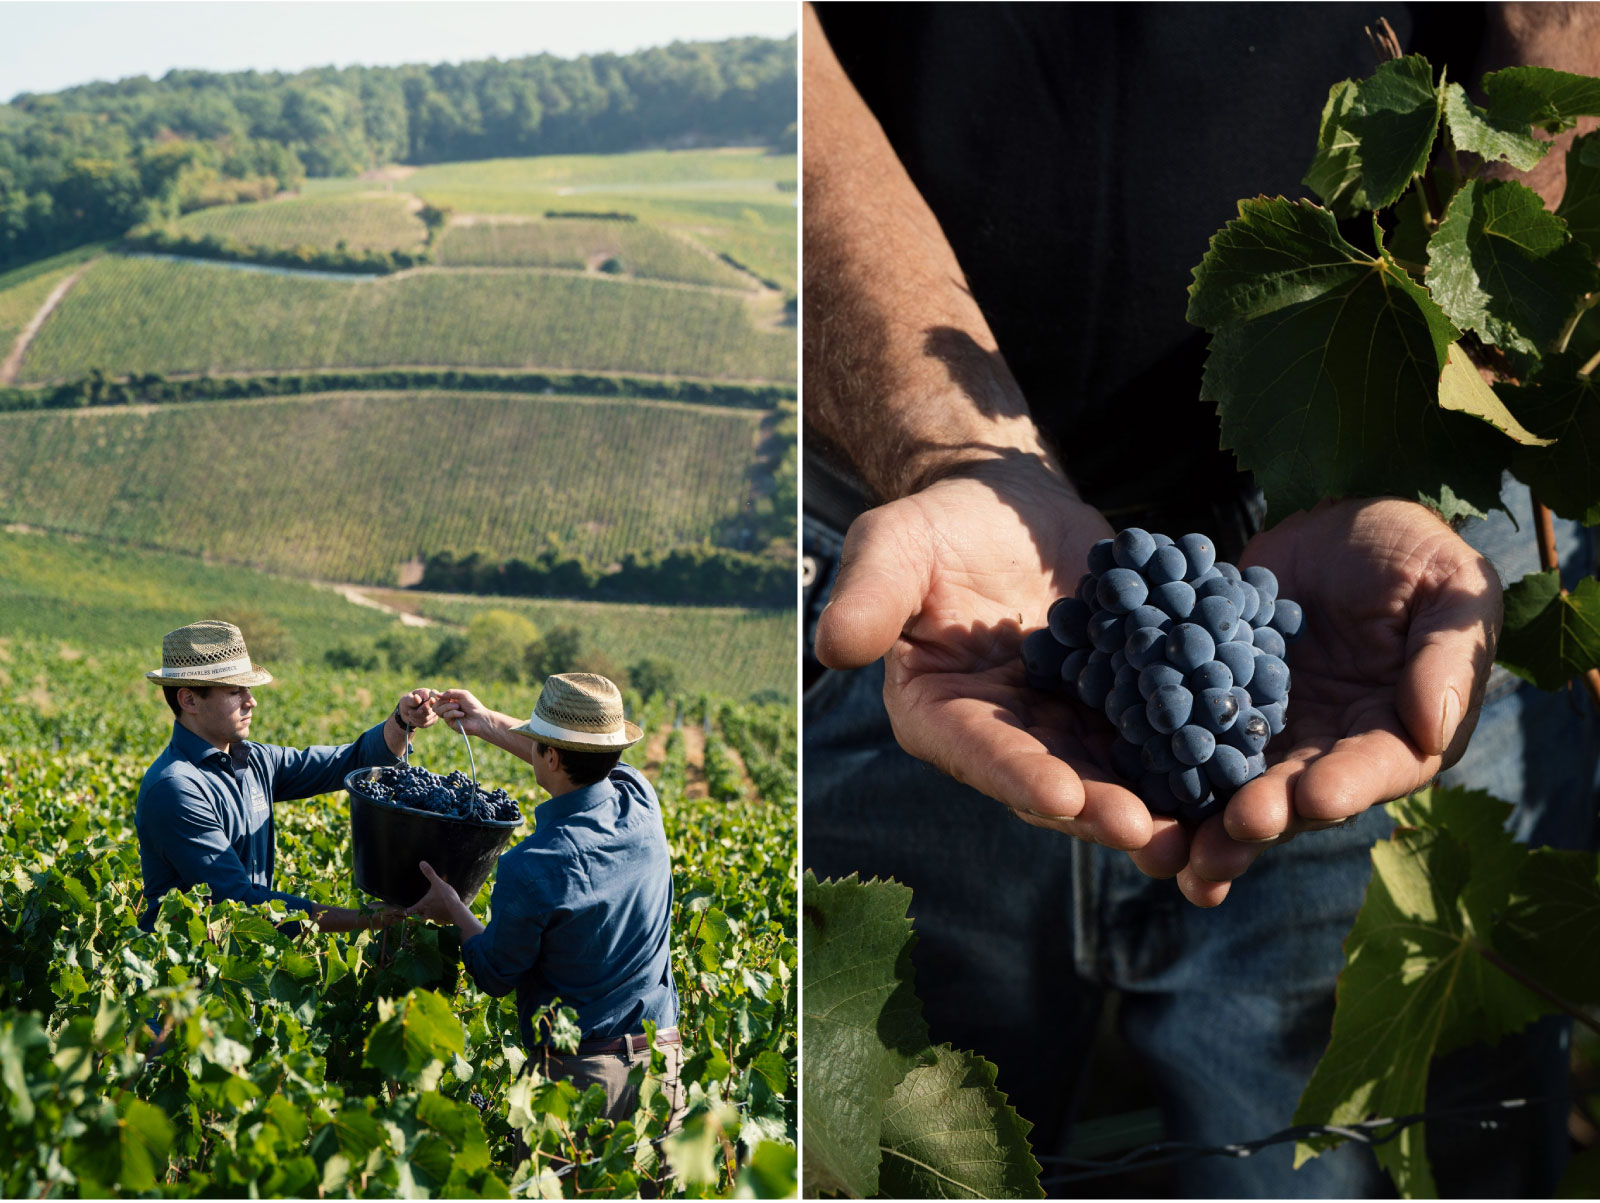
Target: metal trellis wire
{"x": 1176, "y": 1152}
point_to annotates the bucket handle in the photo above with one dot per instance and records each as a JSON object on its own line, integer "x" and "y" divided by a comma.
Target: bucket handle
{"x": 461, "y": 727}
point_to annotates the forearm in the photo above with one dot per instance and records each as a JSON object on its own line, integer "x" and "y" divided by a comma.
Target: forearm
{"x": 1564, "y": 37}
{"x": 394, "y": 734}
{"x": 461, "y": 915}
{"x": 344, "y": 918}
{"x": 902, "y": 374}
{"x": 496, "y": 728}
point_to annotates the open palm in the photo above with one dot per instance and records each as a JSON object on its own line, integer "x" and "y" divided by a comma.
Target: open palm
{"x": 1402, "y": 617}
{"x": 943, "y": 585}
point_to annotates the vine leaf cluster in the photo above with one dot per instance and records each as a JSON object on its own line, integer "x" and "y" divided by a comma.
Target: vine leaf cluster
{"x": 886, "y": 1113}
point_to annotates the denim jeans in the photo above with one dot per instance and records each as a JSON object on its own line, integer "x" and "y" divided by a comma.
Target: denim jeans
{"x": 1020, "y": 932}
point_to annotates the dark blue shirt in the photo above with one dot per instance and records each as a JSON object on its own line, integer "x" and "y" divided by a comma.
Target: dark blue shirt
{"x": 206, "y": 815}
{"x": 582, "y": 911}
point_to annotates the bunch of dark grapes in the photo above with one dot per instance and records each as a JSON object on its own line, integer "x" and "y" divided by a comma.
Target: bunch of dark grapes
{"x": 1184, "y": 655}
{"x": 455, "y": 795}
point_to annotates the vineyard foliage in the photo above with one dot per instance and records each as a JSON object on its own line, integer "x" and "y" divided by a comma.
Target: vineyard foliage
{"x": 363, "y": 1065}
{"x": 375, "y": 221}
{"x": 1455, "y": 279}
{"x": 20, "y": 298}
{"x": 147, "y": 315}
{"x": 578, "y": 245}
{"x": 97, "y": 600}
{"x": 315, "y": 490}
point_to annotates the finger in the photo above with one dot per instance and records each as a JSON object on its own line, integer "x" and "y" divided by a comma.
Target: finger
{"x": 1199, "y": 891}
{"x": 979, "y": 743}
{"x": 427, "y": 871}
{"x": 883, "y": 577}
{"x": 1110, "y": 816}
{"x": 1447, "y": 660}
{"x": 1263, "y": 809}
{"x": 1167, "y": 852}
{"x": 1215, "y": 856}
{"x": 1361, "y": 771}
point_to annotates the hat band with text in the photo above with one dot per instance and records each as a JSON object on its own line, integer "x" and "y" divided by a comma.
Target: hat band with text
{"x": 206, "y": 672}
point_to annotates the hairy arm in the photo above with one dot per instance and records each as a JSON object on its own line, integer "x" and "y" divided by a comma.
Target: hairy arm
{"x": 901, "y": 371}
{"x": 1565, "y": 37}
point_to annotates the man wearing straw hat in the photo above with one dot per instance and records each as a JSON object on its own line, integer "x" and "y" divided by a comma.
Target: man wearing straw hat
{"x": 582, "y": 908}
{"x": 204, "y": 812}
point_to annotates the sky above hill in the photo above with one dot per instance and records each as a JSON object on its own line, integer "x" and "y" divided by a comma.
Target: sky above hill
{"x": 47, "y": 45}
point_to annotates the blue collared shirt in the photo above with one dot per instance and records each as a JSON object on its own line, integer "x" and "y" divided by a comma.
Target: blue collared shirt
{"x": 582, "y": 911}
{"x": 205, "y": 815}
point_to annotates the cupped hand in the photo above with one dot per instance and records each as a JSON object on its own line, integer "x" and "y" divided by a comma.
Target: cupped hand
{"x": 1402, "y": 618}
{"x": 943, "y": 584}
{"x": 462, "y": 711}
{"x": 416, "y": 708}
{"x": 439, "y": 904}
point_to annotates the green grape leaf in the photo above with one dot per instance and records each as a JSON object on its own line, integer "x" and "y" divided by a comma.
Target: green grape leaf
{"x": 1504, "y": 266}
{"x": 1375, "y": 136}
{"x": 1565, "y": 476}
{"x": 1580, "y": 203}
{"x": 768, "y": 1174}
{"x": 124, "y": 1146}
{"x": 1475, "y": 130}
{"x": 413, "y": 1035}
{"x": 948, "y": 1133}
{"x": 1552, "y": 100}
{"x": 1551, "y": 931}
{"x": 1414, "y": 984}
{"x": 1549, "y": 638}
{"x": 1463, "y": 390}
{"x": 862, "y": 1026}
{"x": 1325, "y": 369}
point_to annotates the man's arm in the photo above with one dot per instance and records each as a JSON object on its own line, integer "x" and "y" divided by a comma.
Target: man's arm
{"x": 307, "y": 772}
{"x": 901, "y": 371}
{"x": 1565, "y": 37}
{"x": 982, "y": 530}
{"x": 460, "y": 710}
{"x": 507, "y": 950}
{"x": 190, "y": 838}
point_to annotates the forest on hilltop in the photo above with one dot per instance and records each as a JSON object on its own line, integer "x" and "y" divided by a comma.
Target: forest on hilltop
{"x": 88, "y": 163}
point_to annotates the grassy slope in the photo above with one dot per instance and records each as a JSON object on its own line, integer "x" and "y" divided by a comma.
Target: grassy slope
{"x": 377, "y": 221}
{"x": 349, "y": 486}
{"x": 152, "y": 315}
{"x": 113, "y": 601}
{"x": 727, "y": 200}
{"x": 753, "y": 648}
{"x": 644, "y": 250}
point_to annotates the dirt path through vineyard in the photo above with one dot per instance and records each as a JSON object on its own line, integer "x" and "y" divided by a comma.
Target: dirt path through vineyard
{"x": 13, "y": 361}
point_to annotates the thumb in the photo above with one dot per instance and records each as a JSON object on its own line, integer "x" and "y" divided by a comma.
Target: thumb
{"x": 1449, "y": 650}
{"x": 883, "y": 576}
{"x": 427, "y": 871}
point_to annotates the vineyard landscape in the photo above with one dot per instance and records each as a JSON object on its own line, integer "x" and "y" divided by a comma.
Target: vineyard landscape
{"x": 406, "y": 418}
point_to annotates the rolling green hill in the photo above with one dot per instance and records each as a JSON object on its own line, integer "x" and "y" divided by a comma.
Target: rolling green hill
{"x": 360, "y": 220}
{"x": 105, "y": 600}
{"x": 350, "y": 486}
{"x": 583, "y": 245}
{"x": 362, "y": 487}
{"x": 145, "y": 314}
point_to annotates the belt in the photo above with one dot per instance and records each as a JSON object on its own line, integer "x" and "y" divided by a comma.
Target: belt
{"x": 626, "y": 1044}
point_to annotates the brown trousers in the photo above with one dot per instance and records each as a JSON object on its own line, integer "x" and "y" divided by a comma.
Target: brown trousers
{"x": 611, "y": 1071}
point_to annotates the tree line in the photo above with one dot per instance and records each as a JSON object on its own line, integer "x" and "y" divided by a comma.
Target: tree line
{"x": 88, "y": 163}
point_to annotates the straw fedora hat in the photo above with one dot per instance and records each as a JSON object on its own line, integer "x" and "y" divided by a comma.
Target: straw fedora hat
{"x": 206, "y": 653}
{"x": 580, "y": 712}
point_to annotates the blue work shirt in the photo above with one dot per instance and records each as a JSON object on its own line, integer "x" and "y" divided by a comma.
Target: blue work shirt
{"x": 582, "y": 911}
{"x": 206, "y": 815}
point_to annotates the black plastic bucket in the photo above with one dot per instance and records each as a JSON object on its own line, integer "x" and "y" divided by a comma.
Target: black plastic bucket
{"x": 389, "y": 840}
